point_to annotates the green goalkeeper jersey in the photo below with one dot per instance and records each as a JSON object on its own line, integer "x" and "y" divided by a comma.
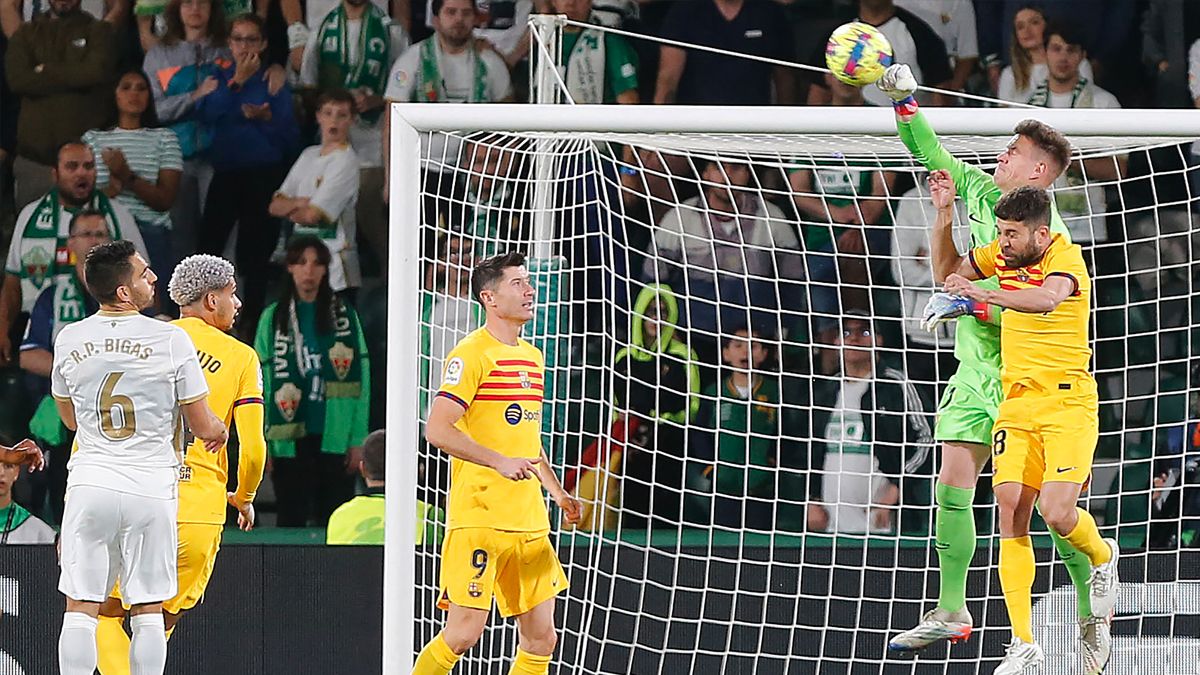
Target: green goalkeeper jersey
{"x": 976, "y": 343}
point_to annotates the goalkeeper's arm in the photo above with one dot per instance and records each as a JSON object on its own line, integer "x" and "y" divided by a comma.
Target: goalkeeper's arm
{"x": 914, "y": 130}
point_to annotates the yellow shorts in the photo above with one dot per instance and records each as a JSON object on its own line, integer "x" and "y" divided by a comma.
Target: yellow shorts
{"x": 520, "y": 569}
{"x": 1042, "y": 437}
{"x": 198, "y": 546}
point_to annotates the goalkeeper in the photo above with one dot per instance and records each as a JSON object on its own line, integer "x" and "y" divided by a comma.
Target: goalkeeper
{"x": 1036, "y": 156}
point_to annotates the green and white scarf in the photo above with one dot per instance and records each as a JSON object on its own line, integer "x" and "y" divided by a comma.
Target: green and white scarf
{"x": 370, "y": 72}
{"x": 44, "y": 255}
{"x": 431, "y": 88}
{"x": 1082, "y": 96}
{"x": 341, "y": 369}
{"x": 585, "y": 67}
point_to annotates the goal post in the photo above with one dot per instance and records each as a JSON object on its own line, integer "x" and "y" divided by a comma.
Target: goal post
{"x": 584, "y": 190}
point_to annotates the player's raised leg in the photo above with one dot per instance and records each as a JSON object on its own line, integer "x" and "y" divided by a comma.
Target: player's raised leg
{"x": 464, "y": 626}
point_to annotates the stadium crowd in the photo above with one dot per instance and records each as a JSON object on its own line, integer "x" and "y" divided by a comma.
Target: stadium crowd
{"x": 255, "y": 130}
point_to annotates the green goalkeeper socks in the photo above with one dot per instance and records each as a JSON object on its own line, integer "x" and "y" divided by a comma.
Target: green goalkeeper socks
{"x": 955, "y": 544}
{"x": 1079, "y": 567}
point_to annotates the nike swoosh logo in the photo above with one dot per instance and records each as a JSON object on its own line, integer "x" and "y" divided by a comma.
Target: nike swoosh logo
{"x": 1065, "y": 469}
{"x": 975, "y": 218}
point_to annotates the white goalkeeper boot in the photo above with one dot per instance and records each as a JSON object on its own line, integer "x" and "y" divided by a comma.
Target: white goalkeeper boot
{"x": 937, "y": 624}
{"x": 1103, "y": 584}
{"x": 1021, "y": 658}
{"x": 1095, "y": 644}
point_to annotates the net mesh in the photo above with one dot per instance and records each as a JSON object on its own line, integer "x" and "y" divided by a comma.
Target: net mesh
{"x": 748, "y": 508}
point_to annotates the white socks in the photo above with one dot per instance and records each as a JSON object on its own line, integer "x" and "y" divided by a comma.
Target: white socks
{"x": 148, "y": 648}
{"x": 77, "y": 644}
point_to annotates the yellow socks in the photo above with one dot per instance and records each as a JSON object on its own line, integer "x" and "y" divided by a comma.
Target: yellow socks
{"x": 436, "y": 658}
{"x": 1087, "y": 540}
{"x": 1017, "y": 569}
{"x": 529, "y": 664}
{"x": 112, "y": 646}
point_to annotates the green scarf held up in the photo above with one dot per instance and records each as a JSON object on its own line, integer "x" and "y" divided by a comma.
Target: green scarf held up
{"x": 44, "y": 255}
{"x": 370, "y": 72}
{"x": 1082, "y": 96}
{"x": 341, "y": 370}
{"x": 430, "y": 87}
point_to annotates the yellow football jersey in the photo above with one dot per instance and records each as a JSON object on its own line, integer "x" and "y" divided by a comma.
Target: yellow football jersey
{"x": 500, "y": 386}
{"x": 1047, "y": 350}
{"x": 234, "y": 379}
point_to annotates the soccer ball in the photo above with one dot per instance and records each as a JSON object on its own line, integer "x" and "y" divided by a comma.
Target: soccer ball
{"x": 857, "y": 53}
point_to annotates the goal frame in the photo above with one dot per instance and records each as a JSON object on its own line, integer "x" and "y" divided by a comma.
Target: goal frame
{"x": 409, "y": 120}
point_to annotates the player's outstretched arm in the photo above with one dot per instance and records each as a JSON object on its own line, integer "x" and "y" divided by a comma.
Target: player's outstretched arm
{"x": 1039, "y": 300}
{"x": 943, "y": 254}
{"x": 441, "y": 433}
{"x": 205, "y": 424}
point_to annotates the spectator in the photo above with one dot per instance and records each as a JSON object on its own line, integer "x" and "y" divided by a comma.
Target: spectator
{"x": 930, "y": 358}
{"x": 13, "y": 13}
{"x": 448, "y": 67}
{"x": 617, "y": 13}
{"x": 61, "y": 65}
{"x": 354, "y": 47}
{"x": 254, "y": 134}
{"x": 448, "y": 311}
{"x": 741, "y": 412}
{"x": 17, "y": 525}
{"x": 302, "y": 17}
{"x": 64, "y": 302}
{"x": 754, "y": 27}
{"x": 154, "y": 22}
{"x": 319, "y": 194}
{"x": 870, "y": 425}
{"x": 1082, "y": 206}
{"x": 140, "y": 168}
{"x": 504, "y": 24}
{"x": 43, "y": 228}
{"x": 913, "y": 42}
{"x": 729, "y": 247}
{"x": 489, "y": 207}
{"x": 601, "y": 67}
{"x": 1170, "y": 29}
{"x": 360, "y": 521}
{"x": 852, "y": 197}
{"x": 317, "y": 383}
{"x": 954, "y": 22}
{"x": 655, "y": 382}
{"x": 182, "y": 70}
{"x": 1027, "y": 58}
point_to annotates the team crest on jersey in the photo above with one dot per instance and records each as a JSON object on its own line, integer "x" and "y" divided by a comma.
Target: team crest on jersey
{"x": 1023, "y": 276}
{"x": 341, "y": 357}
{"x": 525, "y": 383}
{"x": 474, "y": 590}
{"x": 287, "y": 399}
{"x": 36, "y": 264}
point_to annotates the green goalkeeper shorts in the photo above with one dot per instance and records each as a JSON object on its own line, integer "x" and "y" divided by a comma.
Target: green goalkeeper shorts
{"x": 968, "y": 408}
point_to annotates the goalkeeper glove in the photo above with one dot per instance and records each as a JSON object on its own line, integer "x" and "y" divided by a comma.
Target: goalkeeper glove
{"x": 944, "y": 307}
{"x": 897, "y": 82}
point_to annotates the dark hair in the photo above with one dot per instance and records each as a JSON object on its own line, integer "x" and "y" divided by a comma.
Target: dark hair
{"x": 325, "y": 297}
{"x": 336, "y": 95}
{"x": 1068, "y": 32}
{"x": 253, "y": 19}
{"x": 1027, "y": 204}
{"x": 1047, "y": 139}
{"x": 751, "y": 330}
{"x": 85, "y": 213}
{"x": 66, "y": 144}
{"x": 436, "y": 7}
{"x": 216, "y": 29}
{"x": 374, "y": 449}
{"x": 149, "y": 118}
{"x": 108, "y": 268}
{"x": 490, "y": 270}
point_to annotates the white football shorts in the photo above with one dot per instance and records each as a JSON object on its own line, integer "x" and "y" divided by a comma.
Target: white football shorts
{"x": 109, "y": 535}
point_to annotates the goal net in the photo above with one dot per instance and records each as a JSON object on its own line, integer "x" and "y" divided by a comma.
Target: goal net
{"x": 738, "y": 389}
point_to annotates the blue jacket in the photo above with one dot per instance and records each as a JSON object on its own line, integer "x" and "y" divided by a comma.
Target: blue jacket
{"x": 240, "y": 143}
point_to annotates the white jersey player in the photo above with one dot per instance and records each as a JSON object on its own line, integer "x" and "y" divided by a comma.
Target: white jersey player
{"x": 122, "y": 381}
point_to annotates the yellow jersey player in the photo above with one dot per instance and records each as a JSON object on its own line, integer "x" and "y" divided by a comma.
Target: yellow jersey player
{"x": 1047, "y": 426}
{"x": 205, "y": 289}
{"x": 487, "y": 417}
